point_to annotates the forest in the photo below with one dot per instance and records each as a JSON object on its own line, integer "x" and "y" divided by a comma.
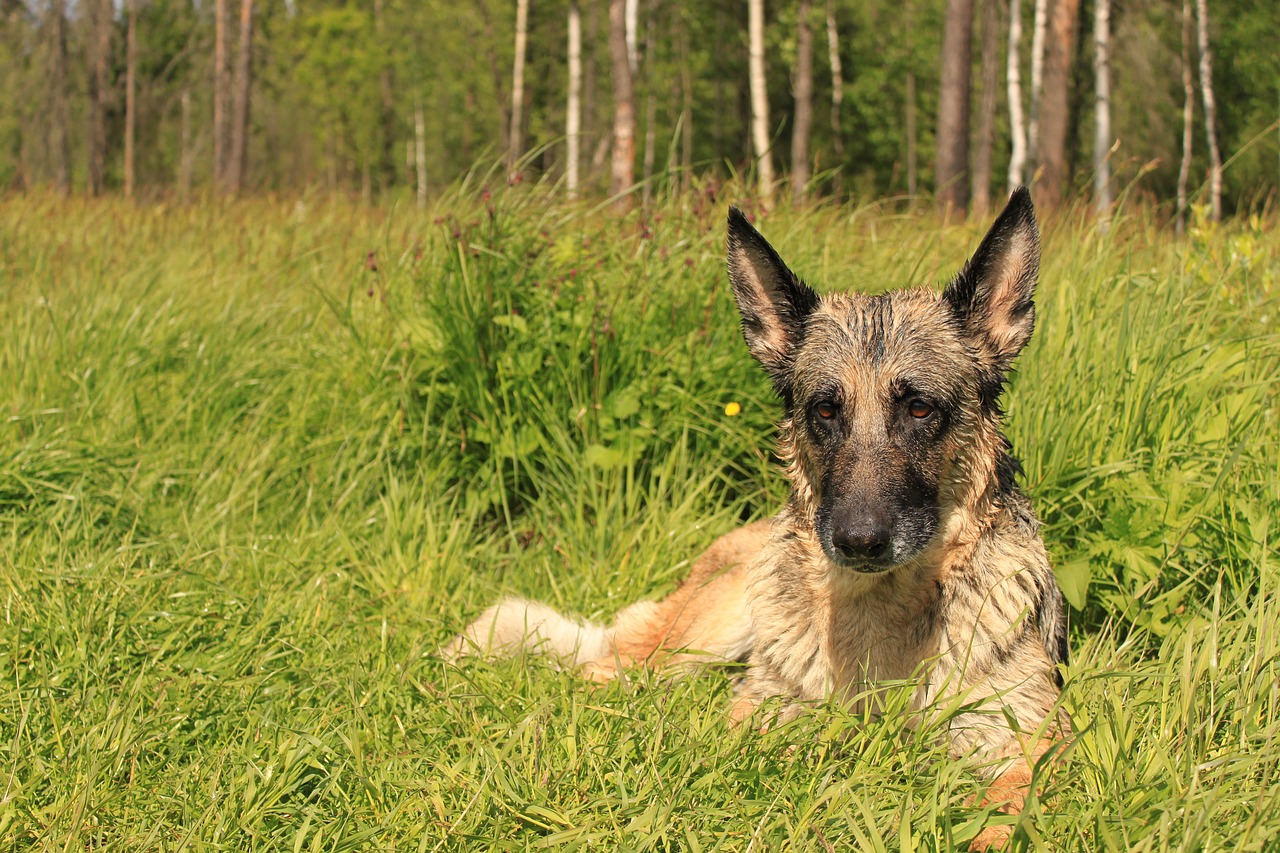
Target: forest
{"x": 1173, "y": 103}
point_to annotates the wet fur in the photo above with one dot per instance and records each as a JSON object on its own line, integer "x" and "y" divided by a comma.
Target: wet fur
{"x": 954, "y": 594}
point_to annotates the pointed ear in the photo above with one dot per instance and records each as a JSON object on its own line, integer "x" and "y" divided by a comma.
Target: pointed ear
{"x": 773, "y": 302}
{"x": 992, "y": 294}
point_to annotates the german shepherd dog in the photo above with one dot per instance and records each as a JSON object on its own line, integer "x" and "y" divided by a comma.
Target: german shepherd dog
{"x": 905, "y": 553}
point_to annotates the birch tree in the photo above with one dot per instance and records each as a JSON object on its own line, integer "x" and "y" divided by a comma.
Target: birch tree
{"x": 1188, "y": 118}
{"x": 1039, "y": 26}
{"x": 514, "y": 146}
{"x": 952, "y": 185}
{"x": 837, "y": 79}
{"x": 802, "y": 83}
{"x": 420, "y": 150}
{"x": 573, "y": 111}
{"x": 623, "y": 173}
{"x": 1210, "y": 110}
{"x": 1017, "y": 128}
{"x": 1102, "y": 102}
{"x": 759, "y": 99}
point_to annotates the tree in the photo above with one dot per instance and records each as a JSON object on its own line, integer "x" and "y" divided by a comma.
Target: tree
{"x": 1188, "y": 117}
{"x": 623, "y": 174}
{"x": 59, "y": 118}
{"x": 99, "y": 92}
{"x": 984, "y": 141}
{"x": 1210, "y": 110}
{"x": 953, "y": 107}
{"x": 759, "y": 99}
{"x": 1039, "y": 27}
{"x": 514, "y": 145}
{"x": 1051, "y": 153}
{"x": 1102, "y": 100}
{"x": 238, "y": 159}
{"x": 837, "y": 79}
{"x": 802, "y": 81}
{"x": 573, "y": 112}
{"x": 1017, "y": 129}
{"x": 130, "y": 97}
{"x": 221, "y": 93}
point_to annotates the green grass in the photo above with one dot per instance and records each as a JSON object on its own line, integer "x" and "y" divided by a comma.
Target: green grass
{"x": 257, "y": 462}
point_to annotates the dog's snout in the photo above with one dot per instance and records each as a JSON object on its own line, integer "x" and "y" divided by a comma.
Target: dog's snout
{"x": 862, "y": 536}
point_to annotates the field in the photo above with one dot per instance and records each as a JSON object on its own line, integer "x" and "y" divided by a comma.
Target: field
{"x": 257, "y": 461}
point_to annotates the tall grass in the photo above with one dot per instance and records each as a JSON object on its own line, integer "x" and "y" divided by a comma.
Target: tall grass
{"x": 258, "y": 461}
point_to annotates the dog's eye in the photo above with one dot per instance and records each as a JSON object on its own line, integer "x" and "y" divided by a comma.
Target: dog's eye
{"x": 919, "y": 409}
{"x": 825, "y": 409}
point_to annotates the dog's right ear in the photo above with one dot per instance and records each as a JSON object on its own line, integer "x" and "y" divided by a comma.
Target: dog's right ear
{"x": 773, "y": 302}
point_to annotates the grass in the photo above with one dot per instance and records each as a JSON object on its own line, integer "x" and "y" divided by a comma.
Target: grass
{"x": 258, "y": 461}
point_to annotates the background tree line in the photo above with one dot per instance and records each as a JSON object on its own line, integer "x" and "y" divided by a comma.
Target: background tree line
{"x": 868, "y": 98}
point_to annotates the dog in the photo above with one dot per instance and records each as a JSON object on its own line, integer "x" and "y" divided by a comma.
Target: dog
{"x": 906, "y": 551}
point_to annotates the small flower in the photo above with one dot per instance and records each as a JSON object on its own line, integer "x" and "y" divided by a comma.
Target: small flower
{"x": 732, "y": 409}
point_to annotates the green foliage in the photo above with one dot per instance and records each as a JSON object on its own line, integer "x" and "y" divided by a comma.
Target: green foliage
{"x": 257, "y": 462}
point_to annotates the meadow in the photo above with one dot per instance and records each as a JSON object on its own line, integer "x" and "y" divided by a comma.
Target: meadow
{"x": 258, "y": 460}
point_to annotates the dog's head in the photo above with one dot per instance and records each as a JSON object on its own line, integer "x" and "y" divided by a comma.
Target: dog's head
{"x": 892, "y": 427}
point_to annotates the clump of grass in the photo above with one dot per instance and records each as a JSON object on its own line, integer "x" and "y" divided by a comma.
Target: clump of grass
{"x": 259, "y": 461}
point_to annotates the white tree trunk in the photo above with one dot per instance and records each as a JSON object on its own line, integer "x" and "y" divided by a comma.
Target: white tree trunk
{"x": 1188, "y": 118}
{"x": 1206, "y": 93}
{"x": 573, "y": 118}
{"x": 1102, "y": 100}
{"x": 420, "y": 150}
{"x": 651, "y": 105}
{"x": 633, "y": 27}
{"x": 517, "y": 87}
{"x": 1039, "y": 27}
{"x": 837, "y": 77}
{"x": 1017, "y": 126}
{"x": 802, "y": 86}
{"x": 759, "y": 100}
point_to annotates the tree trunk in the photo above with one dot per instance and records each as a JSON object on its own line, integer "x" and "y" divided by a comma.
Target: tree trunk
{"x": 573, "y": 113}
{"x": 130, "y": 97}
{"x": 186, "y": 159}
{"x": 387, "y": 107}
{"x": 238, "y": 161}
{"x": 984, "y": 143}
{"x": 759, "y": 100}
{"x": 1102, "y": 98}
{"x": 59, "y": 110}
{"x": 1210, "y": 111}
{"x": 802, "y": 81}
{"x": 221, "y": 93}
{"x": 1039, "y": 25}
{"x": 623, "y": 175}
{"x": 913, "y": 172}
{"x": 651, "y": 105}
{"x": 514, "y": 143}
{"x": 420, "y": 150}
{"x": 1017, "y": 129}
{"x": 99, "y": 93}
{"x": 837, "y": 79}
{"x": 1188, "y": 118}
{"x": 489, "y": 38}
{"x": 1051, "y": 153}
{"x": 953, "y": 107}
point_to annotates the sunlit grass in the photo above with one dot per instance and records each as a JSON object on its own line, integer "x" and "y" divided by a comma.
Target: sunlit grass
{"x": 258, "y": 461}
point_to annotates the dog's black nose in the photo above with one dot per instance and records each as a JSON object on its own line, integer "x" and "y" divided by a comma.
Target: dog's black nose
{"x": 862, "y": 537}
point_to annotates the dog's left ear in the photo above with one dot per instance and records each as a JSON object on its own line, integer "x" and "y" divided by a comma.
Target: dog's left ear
{"x": 992, "y": 294}
{"x": 772, "y": 300}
